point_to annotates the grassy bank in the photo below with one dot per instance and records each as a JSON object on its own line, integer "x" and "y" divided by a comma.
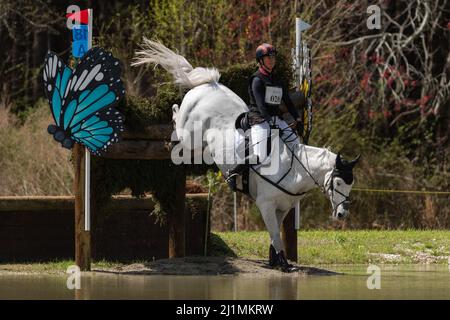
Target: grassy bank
{"x": 346, "y": 247}
{"x": 315, "y": 248}
{"x": 51, "y": 267}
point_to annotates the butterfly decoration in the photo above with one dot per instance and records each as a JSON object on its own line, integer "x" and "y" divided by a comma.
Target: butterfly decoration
{"x": 82, "y": 100}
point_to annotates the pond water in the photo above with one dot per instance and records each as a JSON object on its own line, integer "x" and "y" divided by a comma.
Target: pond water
{"x": 397, "y": 282}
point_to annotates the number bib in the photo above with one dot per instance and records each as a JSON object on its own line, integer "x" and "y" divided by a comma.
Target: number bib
{"x": 273, "y": 95}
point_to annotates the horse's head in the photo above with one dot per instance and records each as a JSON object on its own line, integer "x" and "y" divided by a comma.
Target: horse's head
{"x": 338, "y": 184}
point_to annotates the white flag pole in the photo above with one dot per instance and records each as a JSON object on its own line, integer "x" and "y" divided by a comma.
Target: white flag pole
{"x": 298, "y": 48}
{"x": 87, "y": 154}
{"x": 235, "y": 211}
{"x": 299, "y": 27}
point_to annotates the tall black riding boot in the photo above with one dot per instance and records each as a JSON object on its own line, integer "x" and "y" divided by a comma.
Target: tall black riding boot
{"x": 232, "y": 175}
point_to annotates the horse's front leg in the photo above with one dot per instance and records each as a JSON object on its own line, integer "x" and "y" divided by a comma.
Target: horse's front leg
{"x": 281, "y": 258}
{"x": 268, "y": 209}
{"x": 277, "y": 257}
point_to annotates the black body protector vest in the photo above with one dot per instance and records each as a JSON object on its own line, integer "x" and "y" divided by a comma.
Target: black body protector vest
{"x": 273, "y": 95}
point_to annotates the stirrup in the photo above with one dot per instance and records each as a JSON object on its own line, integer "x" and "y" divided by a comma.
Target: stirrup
{"x": 231, "y": 180}
{"x": 231, "y": 175}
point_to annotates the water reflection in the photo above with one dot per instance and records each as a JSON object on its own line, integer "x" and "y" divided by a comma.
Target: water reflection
{"x": 397, "y": 282}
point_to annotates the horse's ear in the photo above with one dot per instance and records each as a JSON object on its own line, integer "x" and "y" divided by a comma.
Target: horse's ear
{"x": 355, "y": 161}
{"x": 339, "y": 163}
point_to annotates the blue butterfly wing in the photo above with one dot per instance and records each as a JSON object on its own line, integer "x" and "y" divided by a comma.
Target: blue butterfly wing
{"x": 94, "y": 86}
{"x": 82, "y": 100}
{"x": 99, "y": 131}
{"x": 56, "y": 76}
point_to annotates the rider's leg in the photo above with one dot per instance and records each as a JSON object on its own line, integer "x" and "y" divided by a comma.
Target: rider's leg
{"x": 232, "y": 175}
{"x": 289, "y": 134}
{"x": 258, "y": 140}
{"x": 244, "y": 158}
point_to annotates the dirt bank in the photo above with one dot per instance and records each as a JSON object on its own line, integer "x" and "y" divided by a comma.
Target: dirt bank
{"x": 209, "y": 266}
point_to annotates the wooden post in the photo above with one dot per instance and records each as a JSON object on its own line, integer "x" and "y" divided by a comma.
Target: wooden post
{"x": 82, "y": 237}
{"x": 177, "y": 218}
{"x": 289, "y": 236}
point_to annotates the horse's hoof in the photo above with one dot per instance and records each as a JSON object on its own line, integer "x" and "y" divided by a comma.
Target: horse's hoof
{"x": 285, "y": 265}
{"x": 285, "y": 268}
{"x": 278, "y": 261}
{"x": 292, "y": 268}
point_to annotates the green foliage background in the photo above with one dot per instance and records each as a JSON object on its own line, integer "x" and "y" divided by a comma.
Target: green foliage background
{"x": 403, "y": 142}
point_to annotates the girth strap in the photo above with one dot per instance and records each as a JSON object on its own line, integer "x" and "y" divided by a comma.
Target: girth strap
{"x": 277, "y": 185}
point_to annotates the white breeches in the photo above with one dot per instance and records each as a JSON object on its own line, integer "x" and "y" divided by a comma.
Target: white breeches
{"x": 261, "y": 131}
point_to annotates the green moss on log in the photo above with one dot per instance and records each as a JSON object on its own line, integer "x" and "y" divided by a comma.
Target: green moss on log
{"x": 140, "y": 176}
{"x": 141, "y": 112}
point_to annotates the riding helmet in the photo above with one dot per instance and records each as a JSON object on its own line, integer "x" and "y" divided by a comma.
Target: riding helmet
{"x": 265, "y": 49}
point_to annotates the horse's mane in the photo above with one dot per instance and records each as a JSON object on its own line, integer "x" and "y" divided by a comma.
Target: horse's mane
{"x": 326, "y": 155}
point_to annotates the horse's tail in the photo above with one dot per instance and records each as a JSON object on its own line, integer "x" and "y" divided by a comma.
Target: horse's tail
{"x": 181, "y": 70}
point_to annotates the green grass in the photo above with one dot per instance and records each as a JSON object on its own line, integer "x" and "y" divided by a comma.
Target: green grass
{"x": 314, "y": 248}
{"x": 56, "y": 267}
{"x": 348, "y": 247}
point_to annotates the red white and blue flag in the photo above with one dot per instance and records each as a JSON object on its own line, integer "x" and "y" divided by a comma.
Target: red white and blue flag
{"x": 81, "y": 31}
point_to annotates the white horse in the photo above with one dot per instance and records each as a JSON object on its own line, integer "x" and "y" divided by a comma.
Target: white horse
{"x": 214, "y": 106}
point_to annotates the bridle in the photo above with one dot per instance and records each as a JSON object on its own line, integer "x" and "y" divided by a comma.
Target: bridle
{"x": 346, "y": 202}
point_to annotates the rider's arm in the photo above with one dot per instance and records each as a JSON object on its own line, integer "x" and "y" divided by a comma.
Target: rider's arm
{"x": 289, "y": 104}
{"x": 259, "y": 91}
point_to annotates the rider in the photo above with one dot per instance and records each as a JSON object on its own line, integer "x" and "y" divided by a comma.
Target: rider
{"x": 266, "y": 93}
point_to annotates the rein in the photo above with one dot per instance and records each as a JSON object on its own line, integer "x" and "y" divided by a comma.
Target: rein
{"x": 321, "y": 187}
